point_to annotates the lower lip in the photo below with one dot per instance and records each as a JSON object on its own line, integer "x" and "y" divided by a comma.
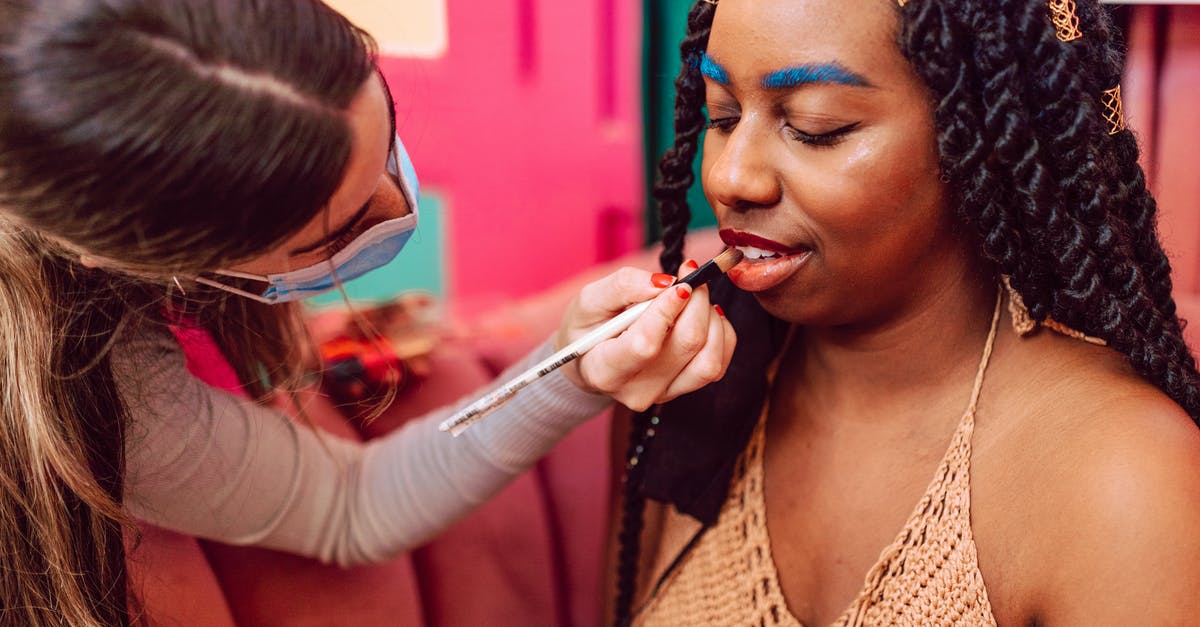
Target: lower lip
{"x": 758, "y": 276}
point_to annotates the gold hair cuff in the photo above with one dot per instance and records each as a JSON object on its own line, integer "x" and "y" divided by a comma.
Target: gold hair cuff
{"x": 1066, "y": 22}
{"x": 1114, "y": 112}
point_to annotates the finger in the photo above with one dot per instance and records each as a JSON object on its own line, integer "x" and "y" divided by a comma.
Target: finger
{"x": 602, "y": 299}
{"x": 688, "y": 267}
{"x": 730, "y": 340}
{"x": 614, "y": 362}
{"x": 707, "y": 366}
{"x": 689, "y": 336}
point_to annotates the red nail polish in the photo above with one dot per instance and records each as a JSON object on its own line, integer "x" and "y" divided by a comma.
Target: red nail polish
{"x": 683, "y": 291}
{"x": 691, "y": 264}
{"x": 662, "y": 280}
{"x": 720, "y": 312}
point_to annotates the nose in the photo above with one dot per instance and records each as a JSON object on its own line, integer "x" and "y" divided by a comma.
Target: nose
{"x": 742, "y": 174}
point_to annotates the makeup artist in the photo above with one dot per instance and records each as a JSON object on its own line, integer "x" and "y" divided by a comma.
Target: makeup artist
{"x": 187, "y": 166}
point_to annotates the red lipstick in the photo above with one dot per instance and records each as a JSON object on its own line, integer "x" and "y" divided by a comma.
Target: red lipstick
{"x": 764, "y": 272}
{"x": 739, "y": 238}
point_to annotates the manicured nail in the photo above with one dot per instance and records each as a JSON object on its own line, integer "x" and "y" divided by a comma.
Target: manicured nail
{"x": 720, "y": 312}
{"x": 691, "y": 264}
{"x": 684, "y": 291}
{"x": 662, "y": 280}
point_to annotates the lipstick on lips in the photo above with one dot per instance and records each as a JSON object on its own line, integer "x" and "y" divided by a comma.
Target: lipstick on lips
{"x": 752, "y": 241}
{"x": 767, "y": 262}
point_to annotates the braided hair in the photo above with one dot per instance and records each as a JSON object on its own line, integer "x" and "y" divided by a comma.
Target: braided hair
{"x": 1055, "y": 198}
{"x": 670, "y": 192}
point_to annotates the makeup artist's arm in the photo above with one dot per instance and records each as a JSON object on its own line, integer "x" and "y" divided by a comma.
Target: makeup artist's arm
{"x": 206, "y": 463}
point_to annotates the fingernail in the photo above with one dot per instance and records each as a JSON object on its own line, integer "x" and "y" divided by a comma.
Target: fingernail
{"x": 662, "y": 280}
{"x": 691, "y": 264}
{"x": 720, "y": 312}
{"x": 684, "y": 291}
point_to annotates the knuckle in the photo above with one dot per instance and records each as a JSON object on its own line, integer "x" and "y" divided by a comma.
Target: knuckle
{"x": 641, "y": 405}
{"x": 710, "y": 369}
{"x": 643, "y": 349}
{"x": 689, "y": 339}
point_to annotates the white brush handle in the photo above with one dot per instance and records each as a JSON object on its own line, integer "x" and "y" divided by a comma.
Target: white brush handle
{"x": 470, "y": 414}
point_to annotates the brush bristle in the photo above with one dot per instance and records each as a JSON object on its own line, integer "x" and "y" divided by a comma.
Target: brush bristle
{"x": 728, "y": 259}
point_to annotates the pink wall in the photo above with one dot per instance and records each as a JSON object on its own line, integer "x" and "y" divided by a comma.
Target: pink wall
{"x": 530, "y": 129}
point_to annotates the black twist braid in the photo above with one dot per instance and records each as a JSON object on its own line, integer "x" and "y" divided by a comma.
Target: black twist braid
{"x": 670, "y": 191}
{"x": 1075, "y": 224}
{"x": 675, "y": 169}
{"x": 633, "y": 508}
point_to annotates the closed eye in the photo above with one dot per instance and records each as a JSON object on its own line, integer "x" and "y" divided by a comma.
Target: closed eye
{"x": 823, "y": 140}
{"x": 723, "y": 125}
{"x": 345, "y": 239}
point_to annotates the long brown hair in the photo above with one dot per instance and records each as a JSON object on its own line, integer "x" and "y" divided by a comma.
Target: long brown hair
{"x": 172, "y": 137}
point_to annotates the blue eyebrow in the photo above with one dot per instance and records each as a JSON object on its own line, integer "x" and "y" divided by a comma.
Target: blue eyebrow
{"x": 713, "y": 70}
{"x": 829, "y": 73}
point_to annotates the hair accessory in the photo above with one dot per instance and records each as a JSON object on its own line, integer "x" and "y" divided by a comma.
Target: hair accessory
{"x": 712, "y": 2}
{"x": 1065, "y": 20}
{"x": 179, "y": 285}
{"x": 1114, "y": 113}
{"x": 1023, "y": 324}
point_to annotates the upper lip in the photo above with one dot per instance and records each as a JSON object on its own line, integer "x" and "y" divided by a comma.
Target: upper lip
{"x": 733, "y": 237}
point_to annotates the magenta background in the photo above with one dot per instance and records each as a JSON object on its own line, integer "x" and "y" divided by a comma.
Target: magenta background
{"x": 530, "y": 130}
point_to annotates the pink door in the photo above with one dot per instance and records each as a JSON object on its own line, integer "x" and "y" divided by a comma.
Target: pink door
{"x": 526, "y": 130}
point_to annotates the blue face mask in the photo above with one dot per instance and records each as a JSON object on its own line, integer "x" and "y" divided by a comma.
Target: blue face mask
{"x": 375, "y": 248}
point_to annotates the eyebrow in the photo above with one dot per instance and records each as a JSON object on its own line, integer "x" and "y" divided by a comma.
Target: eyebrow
{"x": 362, "y": 211}
{"x": 805, "y": 74}
{"x": 713, "y": 70}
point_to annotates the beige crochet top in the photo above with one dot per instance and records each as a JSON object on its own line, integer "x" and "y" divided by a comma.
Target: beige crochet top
{"x": 928, "y": 576}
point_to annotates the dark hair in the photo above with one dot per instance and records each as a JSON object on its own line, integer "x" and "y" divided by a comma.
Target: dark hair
{"x": 170, "y": 137}
{"x": 1057, "y": 202}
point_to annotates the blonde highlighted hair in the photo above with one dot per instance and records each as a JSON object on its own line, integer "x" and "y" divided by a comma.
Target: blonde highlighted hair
{"x": 173, "y": 137}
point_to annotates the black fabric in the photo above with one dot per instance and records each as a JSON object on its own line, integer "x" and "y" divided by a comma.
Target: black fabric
{"x": 701, "y": 434}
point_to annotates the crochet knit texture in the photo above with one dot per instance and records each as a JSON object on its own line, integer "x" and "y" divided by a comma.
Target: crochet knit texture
{"x": 928, "y": 576}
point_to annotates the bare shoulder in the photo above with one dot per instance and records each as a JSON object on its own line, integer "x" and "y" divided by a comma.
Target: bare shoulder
{"x": 1111, "y": 476}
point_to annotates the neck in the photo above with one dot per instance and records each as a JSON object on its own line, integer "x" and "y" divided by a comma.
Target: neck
{"x": 922, "y": 356}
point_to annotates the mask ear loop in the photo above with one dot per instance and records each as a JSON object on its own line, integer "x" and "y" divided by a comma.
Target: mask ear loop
{"x": 233, "y": 290}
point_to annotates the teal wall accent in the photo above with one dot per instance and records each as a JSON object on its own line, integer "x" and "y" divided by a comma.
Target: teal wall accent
{"x": 665, "y": 26}
{"x": 420, "y": 266}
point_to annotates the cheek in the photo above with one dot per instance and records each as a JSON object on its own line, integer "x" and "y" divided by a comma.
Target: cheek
{"x": 392, "y": 199}
{"x": 881, "y": 190}
{"x": 713, "y": 144}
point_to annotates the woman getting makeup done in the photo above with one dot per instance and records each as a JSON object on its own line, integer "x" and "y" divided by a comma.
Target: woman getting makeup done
{"x": 170, "y": 164}
{"x": 961, "y": 395}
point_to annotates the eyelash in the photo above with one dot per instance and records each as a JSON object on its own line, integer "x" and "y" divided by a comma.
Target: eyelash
{"x": 823, "y": 140}
{"x": 338, "y": 244}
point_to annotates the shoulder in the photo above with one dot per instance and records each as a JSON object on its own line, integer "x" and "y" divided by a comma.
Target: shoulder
{"x": 1130, "y": 502}
{"x": 1112, "y": 471}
